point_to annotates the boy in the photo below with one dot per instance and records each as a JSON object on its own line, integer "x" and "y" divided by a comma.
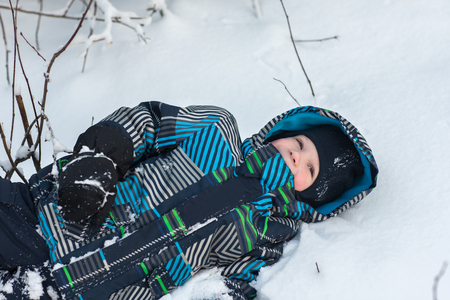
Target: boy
{"x": 155, "y": 193}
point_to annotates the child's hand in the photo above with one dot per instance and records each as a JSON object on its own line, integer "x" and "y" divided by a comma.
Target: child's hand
{"x": 87, "y": 188}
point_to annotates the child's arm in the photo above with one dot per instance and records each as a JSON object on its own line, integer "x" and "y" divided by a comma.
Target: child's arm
{"x": 155, "y": 127}
{"x": 127, "y": 136}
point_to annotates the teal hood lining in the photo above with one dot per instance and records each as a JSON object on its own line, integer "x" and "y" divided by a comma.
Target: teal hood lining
{"x": 307, "y": 120}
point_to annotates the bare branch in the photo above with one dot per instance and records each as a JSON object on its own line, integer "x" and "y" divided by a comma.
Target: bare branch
{"x": 28, "y": 132}
{"x": 32, "y": 46}
{"x": 38, "y": 25}
{"x": 437, "y": 278}
{"x": 26, "y": 126}
{"x": 63, "y": 16}
{"x": 68, "y": 7}
{"x": 26, "y": 80}
{"x": 296, "y": 52}
{"x": 25, "y": 123}
{"x": 91, "y": 32}
{"x": 287, "y": 91}
{"x": 6, "y": 49}
{"x": 14, "y": 18}
{"x": 55, "y": 56}
{"x": 336, "y": 37}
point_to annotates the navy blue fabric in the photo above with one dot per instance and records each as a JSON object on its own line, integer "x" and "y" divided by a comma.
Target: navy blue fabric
{"x": 20, "y": 243}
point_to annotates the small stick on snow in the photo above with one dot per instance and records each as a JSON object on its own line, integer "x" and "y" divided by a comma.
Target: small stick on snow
{"x": 287, "y": 90}
{"x": 295, "y": 48}
{"x": 317, "y": 266}
{"x": 38, "y": 25}
{"x": 91, "y": 32}
{"x": 437, "y": 278}
{"x": 319, "y": 40}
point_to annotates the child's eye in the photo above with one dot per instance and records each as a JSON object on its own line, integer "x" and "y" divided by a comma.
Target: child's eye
{"x": 311, "y": 170}
{"x": 300, "y": 144}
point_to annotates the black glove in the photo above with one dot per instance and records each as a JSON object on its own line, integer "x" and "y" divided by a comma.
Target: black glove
{"x": 87, "y": 188}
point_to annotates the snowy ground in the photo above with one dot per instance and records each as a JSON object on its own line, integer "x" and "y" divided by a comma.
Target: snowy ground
{"x": 389, "y": 73}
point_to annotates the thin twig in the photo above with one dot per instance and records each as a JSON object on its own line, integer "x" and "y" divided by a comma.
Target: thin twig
{"x": 91, "y": 32}
{"x": 84, "y": 2}
{"x": 32, "y": 46}
{"x": 84, "y": 42}
{"x": 28, "y": 132}
{"x": 68, "y": 7}
{"x": 257, "y": 8}
{"x": 287, "y": 90}
{"x": 318, "y": 40}
{"x": 296, "y": 52}
{"x": 38, "y": 25}
{"x": 8, "y": 153}
{"x": 6, "y": 49}
{"x": 140, "y": 36}
{"x": 317, "y": 266}
{"x": 437, "y": 278}
{"x": 57, "y": 54}
{"x": 33, "y": 152}
{"x": 44, "y": 14}
{"x": 54, "y": 141}
{"x": 27, "y": 81}
{"x": 14, "y": 18}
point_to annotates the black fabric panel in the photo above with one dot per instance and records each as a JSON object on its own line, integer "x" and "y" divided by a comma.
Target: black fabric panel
{"x": 20, "y": 244}
{"x": 219, "y": 199}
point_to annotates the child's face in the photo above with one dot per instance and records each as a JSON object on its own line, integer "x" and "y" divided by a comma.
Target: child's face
{"x": 300, "y": 155}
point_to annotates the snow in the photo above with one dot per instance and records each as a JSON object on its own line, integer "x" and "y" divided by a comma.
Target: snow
{"x": 199, "y": 225}
{"x": 33, "y": 285}
{"x": 52, "y": 293}
{"x": 388, "y": 73}
{"x": 75, "y": 259}
{"x": 7, "y": 287}
{"x": 207, "y": 284}
{"x": 23, "y": 152}
{"x": 110, "y": 242}
{"x": 5, "y": 165}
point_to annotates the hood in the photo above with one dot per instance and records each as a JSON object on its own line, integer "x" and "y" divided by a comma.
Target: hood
{"x": 306, "y": 117}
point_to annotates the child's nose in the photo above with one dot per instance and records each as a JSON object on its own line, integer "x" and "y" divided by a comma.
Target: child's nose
{"x": 295, "y": 155}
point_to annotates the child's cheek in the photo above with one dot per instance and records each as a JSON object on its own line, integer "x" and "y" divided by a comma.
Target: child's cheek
{"x": 300, "y": 182}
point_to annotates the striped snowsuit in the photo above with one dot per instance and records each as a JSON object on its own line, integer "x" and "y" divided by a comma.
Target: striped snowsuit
{"x": 195, "y": 197}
